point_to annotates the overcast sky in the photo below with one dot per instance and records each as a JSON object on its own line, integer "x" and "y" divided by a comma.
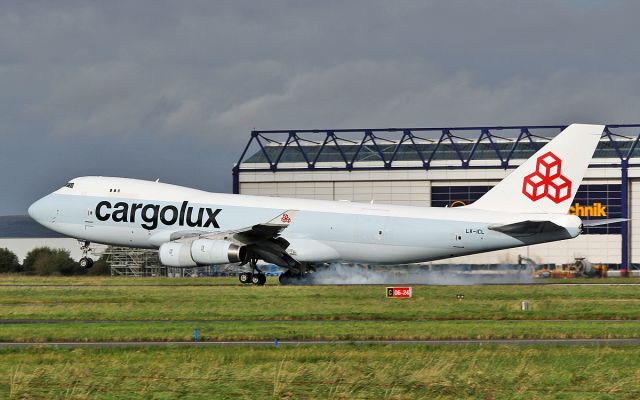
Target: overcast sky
{"x": 171, "y": 89}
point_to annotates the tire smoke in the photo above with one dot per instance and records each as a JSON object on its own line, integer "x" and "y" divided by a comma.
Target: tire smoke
{"x": 343, "y": 274}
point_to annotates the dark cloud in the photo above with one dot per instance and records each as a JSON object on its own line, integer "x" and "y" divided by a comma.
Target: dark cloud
{"x": 170, "y": 90}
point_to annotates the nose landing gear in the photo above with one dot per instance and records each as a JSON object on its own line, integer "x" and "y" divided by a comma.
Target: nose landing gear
{"x": 85, "y": 261}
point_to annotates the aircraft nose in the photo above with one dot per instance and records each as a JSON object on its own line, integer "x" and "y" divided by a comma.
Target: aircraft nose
{"x": 38, "y": 210}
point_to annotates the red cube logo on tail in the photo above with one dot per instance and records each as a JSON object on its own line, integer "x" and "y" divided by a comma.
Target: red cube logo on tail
{"x": 548, "y": 165}
{"x": 547, "y": 181}
{"x": 534, "y": 186}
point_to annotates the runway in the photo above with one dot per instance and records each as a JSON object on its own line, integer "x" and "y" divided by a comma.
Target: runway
{"x": 290, "y": 343}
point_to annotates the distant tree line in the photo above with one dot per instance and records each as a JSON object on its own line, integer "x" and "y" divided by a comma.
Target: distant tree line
{"x": 47, "y": 261}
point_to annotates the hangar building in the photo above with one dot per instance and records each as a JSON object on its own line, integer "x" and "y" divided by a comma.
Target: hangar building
{"x": 448, "y": 167}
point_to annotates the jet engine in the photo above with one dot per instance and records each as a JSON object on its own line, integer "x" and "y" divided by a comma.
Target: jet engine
{"x": 207, "y": 251}
{"x": 175, "y": 254}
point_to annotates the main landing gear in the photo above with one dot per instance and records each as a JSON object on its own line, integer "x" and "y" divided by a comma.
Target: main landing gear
{"x": 85, "y": 261}
{"x": 255, "y": 277}
{"x": 303, "y": 275}
{"x": 290, "y": 278}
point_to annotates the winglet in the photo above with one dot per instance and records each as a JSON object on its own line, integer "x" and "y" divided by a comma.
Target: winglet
{"x": 283, "y": 219}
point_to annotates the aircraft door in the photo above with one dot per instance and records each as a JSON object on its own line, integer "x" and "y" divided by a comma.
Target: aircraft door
{"x": 89, "y": 219}
{"x": 458, "y": 240}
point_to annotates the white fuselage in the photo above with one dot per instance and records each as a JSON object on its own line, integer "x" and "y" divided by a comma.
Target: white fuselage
{"x": 137, "y": 213}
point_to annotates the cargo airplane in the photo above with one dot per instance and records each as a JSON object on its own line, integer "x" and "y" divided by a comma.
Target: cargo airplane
{"x": 191, "y": 227}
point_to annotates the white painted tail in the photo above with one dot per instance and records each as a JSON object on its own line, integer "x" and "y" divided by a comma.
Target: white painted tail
{"x": 548, "y": 181}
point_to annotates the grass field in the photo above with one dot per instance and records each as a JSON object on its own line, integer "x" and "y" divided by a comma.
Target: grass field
{"x": 161, "y": 309}
{"x": 108, "y": 309}
{"x": 363, "y": 372}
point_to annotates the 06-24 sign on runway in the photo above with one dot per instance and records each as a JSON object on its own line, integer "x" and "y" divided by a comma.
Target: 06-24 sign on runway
{"x": 399, "y": 292}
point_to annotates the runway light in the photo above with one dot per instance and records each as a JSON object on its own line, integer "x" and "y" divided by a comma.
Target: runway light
{"x": 276, "y": 342}
{"x": 524, "y": 306}
{"x": 195, "y": 334}
{"x": 460, "y": 296}
{"x": 399, "y": 292}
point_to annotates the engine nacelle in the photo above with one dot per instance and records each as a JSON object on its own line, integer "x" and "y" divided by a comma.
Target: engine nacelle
{"x": 207, "y": 252}
{"x": 173, "y": 254}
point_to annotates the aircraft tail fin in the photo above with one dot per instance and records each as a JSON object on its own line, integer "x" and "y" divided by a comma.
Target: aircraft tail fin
{"x": 548, "y": 181}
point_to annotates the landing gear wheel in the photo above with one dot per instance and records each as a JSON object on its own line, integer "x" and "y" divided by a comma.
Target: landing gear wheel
{"x": 245, "y": 277}
{"x": 258, "y": 279}
{"x": 86, "y": 262}
{"x": 295, "y": 278}
{"x": 285, "y": 278}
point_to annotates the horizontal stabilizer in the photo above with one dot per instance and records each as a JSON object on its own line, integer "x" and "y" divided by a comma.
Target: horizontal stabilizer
{"x": 526, "y": 228}
{"x": 597, "y": 222}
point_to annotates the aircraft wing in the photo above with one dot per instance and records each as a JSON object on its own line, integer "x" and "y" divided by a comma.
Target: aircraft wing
{"x": 268, "y": 230}
{"x": 255, "y": 233}
{"x": 261, "y": 241}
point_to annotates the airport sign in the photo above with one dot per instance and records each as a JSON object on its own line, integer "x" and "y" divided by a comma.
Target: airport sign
{"x": 399, "y": 292}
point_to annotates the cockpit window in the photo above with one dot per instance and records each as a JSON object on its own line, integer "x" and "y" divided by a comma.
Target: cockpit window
{"x": 69, "y": 185}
